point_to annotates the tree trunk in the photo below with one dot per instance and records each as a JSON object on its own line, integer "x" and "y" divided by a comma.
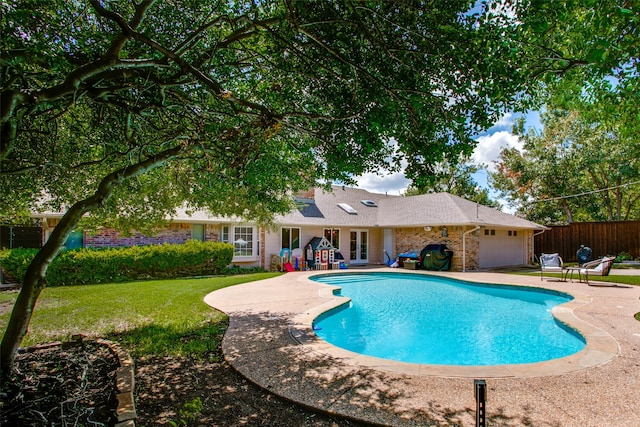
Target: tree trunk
{"x": 618, "y": 194}
{"x": 34, "y": 280}
{"x": 567, "y": 210}
{"x": 33, "y": 283}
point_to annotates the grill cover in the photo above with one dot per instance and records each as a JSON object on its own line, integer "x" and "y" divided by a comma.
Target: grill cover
{"x": 436, "y": 257}
{"x": 584, "y": 254}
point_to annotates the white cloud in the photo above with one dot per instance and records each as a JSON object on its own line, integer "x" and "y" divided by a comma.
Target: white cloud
{"x": 393, "y": 184}
{"x": 487, "y": 151}
{"x": 489, "y": 147}
{"x": 505, "y": 122}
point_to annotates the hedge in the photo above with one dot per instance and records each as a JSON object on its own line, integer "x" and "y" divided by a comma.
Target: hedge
{"x": 88, "y": 266}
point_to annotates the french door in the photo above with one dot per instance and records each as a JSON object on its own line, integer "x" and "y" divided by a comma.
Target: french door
{"x": 359, "y": 246}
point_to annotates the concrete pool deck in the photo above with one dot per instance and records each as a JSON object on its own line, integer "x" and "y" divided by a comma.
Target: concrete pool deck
{"x": 271, "y": 342}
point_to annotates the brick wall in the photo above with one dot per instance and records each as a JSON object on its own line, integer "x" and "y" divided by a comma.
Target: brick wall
{"x": 415, "y": 239}
{"x": 173, "y": 233}
{"x": 106, "y": 238}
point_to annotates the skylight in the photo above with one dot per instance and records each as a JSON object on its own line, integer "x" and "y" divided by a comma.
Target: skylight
{"x": 369, "y": 203}
{"x": 347, "y": 208}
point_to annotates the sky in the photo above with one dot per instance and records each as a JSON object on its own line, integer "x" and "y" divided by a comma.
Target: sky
{"x": 490, "y": 143}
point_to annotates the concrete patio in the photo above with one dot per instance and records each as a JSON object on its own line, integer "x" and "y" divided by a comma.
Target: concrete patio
{"x": 271, "y": 342}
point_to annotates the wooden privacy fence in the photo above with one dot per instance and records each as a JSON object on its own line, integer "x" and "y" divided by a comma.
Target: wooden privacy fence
{"x": 604, "y": 238}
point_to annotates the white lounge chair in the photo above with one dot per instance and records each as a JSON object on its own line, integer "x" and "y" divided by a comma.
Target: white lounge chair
{"x": 598, "y": 267}
{"x": 551, "y": 263}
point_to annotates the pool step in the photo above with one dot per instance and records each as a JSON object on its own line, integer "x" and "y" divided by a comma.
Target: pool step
{"x": 338, "y": 279}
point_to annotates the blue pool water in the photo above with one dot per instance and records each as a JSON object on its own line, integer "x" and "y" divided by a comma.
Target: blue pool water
{"x": 432, "y": 320}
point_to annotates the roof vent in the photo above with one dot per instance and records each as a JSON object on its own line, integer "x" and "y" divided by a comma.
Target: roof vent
{"x": 369, "y": 203}
{"x": 348, "y": 209}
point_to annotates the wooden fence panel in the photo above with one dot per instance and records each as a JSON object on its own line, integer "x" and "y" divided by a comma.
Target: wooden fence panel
{"x": 604, "y": 238}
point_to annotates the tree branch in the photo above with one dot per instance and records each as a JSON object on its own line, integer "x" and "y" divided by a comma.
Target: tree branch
{"x": 34, "y": 280}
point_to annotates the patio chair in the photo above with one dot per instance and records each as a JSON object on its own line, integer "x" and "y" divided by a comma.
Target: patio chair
{"x": 598, "y": 267}
{"x": 551, "y": 263}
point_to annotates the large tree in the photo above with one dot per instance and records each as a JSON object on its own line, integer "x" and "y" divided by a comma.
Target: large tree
{"x": 127, "y": 109}
{"x": 588, "y": 76}
{"x": 575, "y": 169}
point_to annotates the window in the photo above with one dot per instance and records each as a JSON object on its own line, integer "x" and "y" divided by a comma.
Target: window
{"x": 290, "y": 238}
{"x": 333, "y": 236}
{"x": 243, "y": 241}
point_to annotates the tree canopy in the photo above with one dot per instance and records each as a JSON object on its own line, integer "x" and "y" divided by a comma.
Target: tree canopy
{"x": 589, "y": 89}
{"x": 128, "y": 109}
{"x": 576, "y": 169}
{"x": 259, "y": 98}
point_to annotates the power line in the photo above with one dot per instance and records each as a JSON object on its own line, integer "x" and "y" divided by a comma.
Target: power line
{"x": 586, "y": 193}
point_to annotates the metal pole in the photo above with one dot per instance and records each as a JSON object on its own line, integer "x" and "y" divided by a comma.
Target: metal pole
{"x": 480, "y": 393}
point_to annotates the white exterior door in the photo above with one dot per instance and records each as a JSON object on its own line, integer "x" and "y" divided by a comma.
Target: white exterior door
{"x": 359, "y": 246}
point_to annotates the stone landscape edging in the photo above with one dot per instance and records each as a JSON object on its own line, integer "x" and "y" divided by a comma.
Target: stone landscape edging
{"x": 125, "y": 384}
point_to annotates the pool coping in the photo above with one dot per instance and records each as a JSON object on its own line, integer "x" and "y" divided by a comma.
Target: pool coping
{"x": 600, "y": 346}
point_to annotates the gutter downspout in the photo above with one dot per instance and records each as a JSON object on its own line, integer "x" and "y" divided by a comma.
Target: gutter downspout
{"x": 464, "y": 247}
{"x": 533, "y": 239}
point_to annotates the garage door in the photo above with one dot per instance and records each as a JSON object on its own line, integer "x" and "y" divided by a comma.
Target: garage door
{"x": 501, "y": 248}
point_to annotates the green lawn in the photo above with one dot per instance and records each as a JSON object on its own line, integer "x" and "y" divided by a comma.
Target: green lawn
{"x": 156, "y": 317}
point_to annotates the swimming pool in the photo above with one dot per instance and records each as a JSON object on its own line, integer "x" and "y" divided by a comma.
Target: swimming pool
{"x": 425, "y": 319}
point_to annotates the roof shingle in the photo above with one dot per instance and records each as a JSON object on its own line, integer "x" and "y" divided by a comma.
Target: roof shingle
{"x": 399, "y": 211}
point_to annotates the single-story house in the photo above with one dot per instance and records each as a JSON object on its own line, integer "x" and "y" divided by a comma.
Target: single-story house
{"x": 365, "y": 228}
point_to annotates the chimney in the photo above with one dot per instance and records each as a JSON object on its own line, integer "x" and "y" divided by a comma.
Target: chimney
{"x": 308, "y": 194}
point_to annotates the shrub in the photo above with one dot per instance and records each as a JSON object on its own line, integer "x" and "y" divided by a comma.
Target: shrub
{"x": 236, "y": 269}
{"x": 14, "y": 262}
{"x": 87, "y": 266}
{"x": 623, "y": 256}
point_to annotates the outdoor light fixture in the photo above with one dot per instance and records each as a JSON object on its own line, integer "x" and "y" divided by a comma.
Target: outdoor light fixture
{"x": 444, "y": 232}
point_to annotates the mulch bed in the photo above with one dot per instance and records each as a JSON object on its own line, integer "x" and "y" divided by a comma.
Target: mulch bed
{"x": 75, "y": 386}
{"x": 57, "y": 386}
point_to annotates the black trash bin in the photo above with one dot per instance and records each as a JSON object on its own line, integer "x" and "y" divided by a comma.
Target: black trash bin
{"x": 436, "y": 257}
